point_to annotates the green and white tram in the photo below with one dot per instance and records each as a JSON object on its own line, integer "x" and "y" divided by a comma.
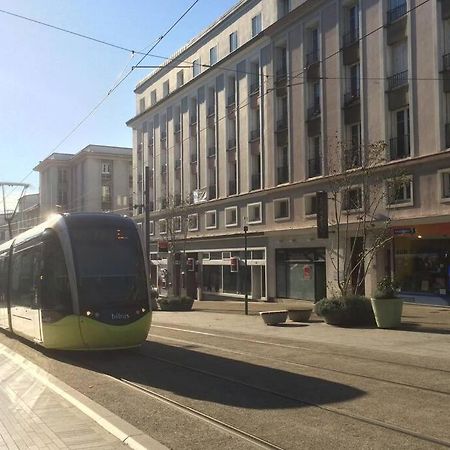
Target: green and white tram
{"x": 76, "y": 282}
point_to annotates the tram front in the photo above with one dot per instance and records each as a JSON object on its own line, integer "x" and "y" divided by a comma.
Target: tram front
{"x": 113, "y": 299}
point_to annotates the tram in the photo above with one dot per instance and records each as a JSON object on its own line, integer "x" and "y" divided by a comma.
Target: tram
{"x": 76, "y": 282}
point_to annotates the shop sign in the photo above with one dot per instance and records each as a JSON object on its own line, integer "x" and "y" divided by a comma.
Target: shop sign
{"x": 403, "y": 231}
{"x": 307, "y": 272}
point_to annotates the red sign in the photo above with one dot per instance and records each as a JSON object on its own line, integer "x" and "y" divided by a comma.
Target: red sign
{"x": 306, "y": 272}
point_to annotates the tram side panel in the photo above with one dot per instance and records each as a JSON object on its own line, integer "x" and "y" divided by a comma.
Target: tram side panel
{"x": 4, "y": 275}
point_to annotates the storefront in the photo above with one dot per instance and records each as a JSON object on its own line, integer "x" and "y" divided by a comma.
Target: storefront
{"x": 421, "y": 262}
{"x": 301, "y": 273}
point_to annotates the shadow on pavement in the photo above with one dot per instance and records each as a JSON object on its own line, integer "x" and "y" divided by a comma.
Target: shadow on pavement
{"x": 212, "y": 378}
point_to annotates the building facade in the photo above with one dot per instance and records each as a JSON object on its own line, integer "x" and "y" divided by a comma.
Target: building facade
{"x": 97, "y": 178}
{"x": 251, "y": 116}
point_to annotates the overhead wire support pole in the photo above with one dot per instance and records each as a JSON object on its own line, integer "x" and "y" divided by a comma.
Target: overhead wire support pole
{"x": 147, "y": 212}
{"x": 9, "y": 219}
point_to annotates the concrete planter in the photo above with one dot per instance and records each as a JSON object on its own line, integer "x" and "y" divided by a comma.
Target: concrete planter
{"x": 388, "y": 311}
{"x": 274, "y": 317}
{"x": 299, "y": 315}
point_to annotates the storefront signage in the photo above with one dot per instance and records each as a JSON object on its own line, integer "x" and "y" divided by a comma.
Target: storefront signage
{"x": 322, "y": 214}
{"x": 402, "y": 231}
{"x": 307, "y": 272}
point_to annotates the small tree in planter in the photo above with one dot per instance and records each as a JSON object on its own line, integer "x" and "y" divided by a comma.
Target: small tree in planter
{"x": 176, "y": 215}
{"x": 387, "y": 306}
{"x": 358, "y": 192}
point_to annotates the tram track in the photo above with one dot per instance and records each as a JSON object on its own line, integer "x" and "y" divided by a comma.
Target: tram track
{"x": 305, "y": 365}
{"x": 299, "y": 347}
{"x": 261, "y": 390}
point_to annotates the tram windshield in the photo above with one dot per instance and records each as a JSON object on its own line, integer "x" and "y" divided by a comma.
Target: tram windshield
{"x": 110, "y": 265}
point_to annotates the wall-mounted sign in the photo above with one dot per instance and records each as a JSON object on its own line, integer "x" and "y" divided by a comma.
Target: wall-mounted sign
{"x": 404, "y": 230}
{"x": 307, "y": 270}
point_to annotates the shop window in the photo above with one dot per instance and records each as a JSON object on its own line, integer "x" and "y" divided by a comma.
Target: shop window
{"x": 400, "y": 192}
{"x": 226, "y": 255}
{"x": 212, "y": 278}
{"x": 210, "y": 220}
{"x": 254, "y": 213}
{"x": 352, "y": 199}
{"x": 281, "y": 208}
{"x": 258, "y": 254}
{"x": 193, "y": 222}
{"x": 162, "y": 226}
{"x": 231, "y": 216}
{"x": 310, "y": 205}
{"x": 445, "y": 185}
{"x": 206, "y": 256}
{"x": 152, "y": 228}
{"x": 177, "y": 224}
{"x": 216, "y": 255}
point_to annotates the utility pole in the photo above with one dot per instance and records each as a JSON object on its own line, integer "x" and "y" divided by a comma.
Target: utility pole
{"x": 7, "y": 214}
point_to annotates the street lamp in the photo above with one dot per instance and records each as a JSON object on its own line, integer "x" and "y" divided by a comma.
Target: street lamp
{"x": 245, "y": 269}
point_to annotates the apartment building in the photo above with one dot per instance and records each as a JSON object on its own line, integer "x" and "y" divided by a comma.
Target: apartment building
{"x": 250, "y": 116}
{"x": 97, "y": 178}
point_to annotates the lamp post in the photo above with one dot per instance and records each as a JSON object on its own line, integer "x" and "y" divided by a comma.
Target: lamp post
{"x": 245, "y": 269}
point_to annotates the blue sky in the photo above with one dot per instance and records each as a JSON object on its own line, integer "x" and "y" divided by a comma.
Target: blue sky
{"x": 50, "y": 80}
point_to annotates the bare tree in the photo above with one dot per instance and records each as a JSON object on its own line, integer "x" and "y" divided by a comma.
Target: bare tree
{"x": 360, "y": 187}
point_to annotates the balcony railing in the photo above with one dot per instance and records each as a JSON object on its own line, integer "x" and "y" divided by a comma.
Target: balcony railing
{"x": 255, "y": 134}
{"x": 398, "y": 79}
{"x": 352, "y": 157}
{"x": 351, "y": 97}
{"x": 395, "y": 13}
{"x": 211, "y": 110}
{"x": 350, "y": 37}
{"x": 446, "y": 62}
{"x": 178, "y": 164}
{"x": 211, "y": 152}
{"x": 232, "y": 187}
{"x": 399, "y": 147}
{"x": 312, "y": 57}
{"x": 314, "y": 111}
{"x": 282, "y": 124}
{"x": 256, "y": 181}
{"x": 194, "y": 158}
{"x": 254, "y": 88}
{"x": 231, "y": 144}
{"x": 211, "y": 192}
{"x": 314, "y": 167}
{"x": 282, "y": 174}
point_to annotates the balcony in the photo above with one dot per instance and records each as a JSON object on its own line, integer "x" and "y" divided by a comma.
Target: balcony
{"x": 397, "y": 80}
{"x": 194, "y": 158}
{"x": 254, "y": 88}
{"x": 314, "y": 111}
{"x": 399, "y": 147}
{"x": 231, "y": 144}
{"x": 232, "y": 187}
{"x": 255, "y": 135}
{"x": 256, "y": 181}
{"x": 212, "y": 152}
{"x": 178, "y": 164}
{"x": 351, "y": 97}
{"x": 211, "y": 110}
{"x": 282, "y": 125}
{"x": 282, "y": 174}
{"x": 350, "y": 37}
{"x": 446, "y": 62}
{"x": 395, "y": 13}
{"x": 352, "y": 157}
{"x": 312, "y": 57}
{"x": 211, "y": 192}
{"x": 314, "y": 167}
{"x": 177, "y": 128}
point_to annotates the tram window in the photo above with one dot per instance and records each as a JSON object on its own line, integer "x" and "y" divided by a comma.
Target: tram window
{"x": 56, "y": 294}
{"x": 26, "y": 271}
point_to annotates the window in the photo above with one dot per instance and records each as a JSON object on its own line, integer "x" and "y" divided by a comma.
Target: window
{"x": 180, "y": 78}
{"x": 177, "y": 224}
{"x": 162, "y": 226}
{"x": 352, "y": 199}
{"x": 153, "y": 97}
{"x": 231, "y": 216}
{"x": 106, "y": 168}
{"x": 233, "y": 41}
{"x": 254, "y": 212}
{"x": 142, "y": 105}
{"x": 400, "y": 192}
{"x": 213, "y": 56}
{"x": 193, "y": 222}
{"x": 314, "y": 159}
{"x": 256, "y": 25}
{"x": 283, "y": 8}
{"x": 310, "y": 204}
{"x": 352, "y": 151}
{"x": 196, "y": 68}
{"x": 152, "y": 228}
{"x": 166, "y": 88}
{"x": 281, "y": 209}
{"x": 399, "y": 144}
{"x": 445, "y": 184}
{"x": 62, "y": 176}
{"x": 210, "y": 220}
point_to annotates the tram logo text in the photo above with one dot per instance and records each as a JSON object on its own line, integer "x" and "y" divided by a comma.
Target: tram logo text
{"x": 119, "y": 316}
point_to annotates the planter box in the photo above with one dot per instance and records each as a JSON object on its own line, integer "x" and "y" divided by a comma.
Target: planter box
{"x": 388, "y": 311}
{"x": 274, "y": 317}
{"x": 299, "y": 315}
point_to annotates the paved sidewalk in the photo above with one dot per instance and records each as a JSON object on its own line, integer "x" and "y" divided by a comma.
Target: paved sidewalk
{"x": 37, "y": 411}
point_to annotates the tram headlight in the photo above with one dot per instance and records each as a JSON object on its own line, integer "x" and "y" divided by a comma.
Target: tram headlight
{"x": 88, "y": 313}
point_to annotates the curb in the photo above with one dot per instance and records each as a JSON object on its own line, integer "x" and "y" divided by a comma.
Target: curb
{"x": 116, "y": 426}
